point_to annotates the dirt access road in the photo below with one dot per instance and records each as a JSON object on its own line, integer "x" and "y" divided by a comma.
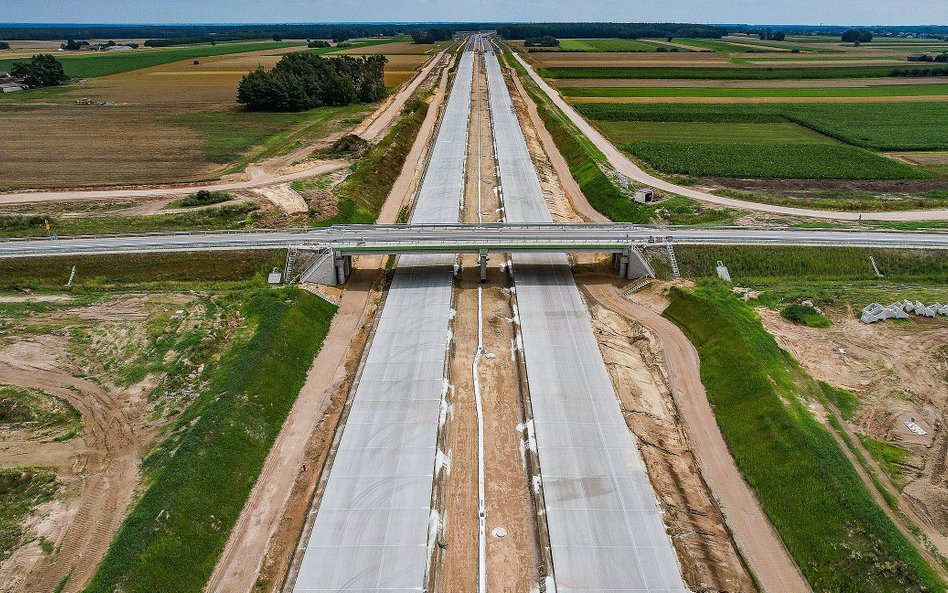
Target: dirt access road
{"x": 255, "y": 175}
{"x": 756, "y": 538}
{"x": 633, "y": 171}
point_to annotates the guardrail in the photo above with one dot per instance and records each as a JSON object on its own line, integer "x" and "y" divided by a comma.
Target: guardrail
{"x": 455, "y": 238}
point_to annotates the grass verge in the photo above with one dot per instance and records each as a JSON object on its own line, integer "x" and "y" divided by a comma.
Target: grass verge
{"x": 840, "y": 538}
{"x": 200, "y": 476}
{"x": 225, "y": 269}
{"x": 363, "y": 192}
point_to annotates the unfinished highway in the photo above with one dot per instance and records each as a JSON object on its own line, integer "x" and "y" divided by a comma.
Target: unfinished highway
{"x": 605, "y": 527}
{"x": 372, "y": 525}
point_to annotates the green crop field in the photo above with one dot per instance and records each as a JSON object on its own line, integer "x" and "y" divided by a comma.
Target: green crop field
{"x": 604, "y": 45}
{"x": 880, "y": 126}
{"x": 897, "y": 90}
{"x": 92, "y": 64}
{"x": 770, "y": 161}
{"x": 745, "y": 73}
{"x": 839, "y": 537}
{"x": 661, "y": 131}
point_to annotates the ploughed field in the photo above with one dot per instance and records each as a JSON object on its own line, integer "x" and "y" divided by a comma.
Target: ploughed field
{"x": 170, "y": 116}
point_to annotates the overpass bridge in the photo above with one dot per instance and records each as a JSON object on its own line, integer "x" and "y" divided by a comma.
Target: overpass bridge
{"x": 341, "y": 242}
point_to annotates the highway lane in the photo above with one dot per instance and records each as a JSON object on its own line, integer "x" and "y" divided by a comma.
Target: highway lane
{"x": 454, "y": 238}
{"x": 605, "y": 526}
{"x": 372, "y": 530}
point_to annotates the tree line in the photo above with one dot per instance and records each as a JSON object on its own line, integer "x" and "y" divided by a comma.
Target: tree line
{"x": 620, "y": 30}
{"x": 302, "y": 81}
{"x": 433, "y": 35}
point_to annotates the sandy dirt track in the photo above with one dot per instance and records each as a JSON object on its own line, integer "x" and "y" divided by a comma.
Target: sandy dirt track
{"x": 758, "y": 541}
{"x": 633, "y": 171}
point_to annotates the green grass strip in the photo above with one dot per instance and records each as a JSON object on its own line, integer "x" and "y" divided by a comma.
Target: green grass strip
{"x": 840, "y": 538}
{"x": 199, "y": 478}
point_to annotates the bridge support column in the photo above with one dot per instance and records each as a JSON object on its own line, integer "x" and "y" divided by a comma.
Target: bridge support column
{"x": 482, "y": 259}
{"x": 621, "y": 261}
{"x": 343, "y": 265}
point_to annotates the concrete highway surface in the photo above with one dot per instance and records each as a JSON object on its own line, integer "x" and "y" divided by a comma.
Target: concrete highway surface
{"x": 456, "y": 238}
{"x": 372, "y": 531}
{"x": 605, "y": 526}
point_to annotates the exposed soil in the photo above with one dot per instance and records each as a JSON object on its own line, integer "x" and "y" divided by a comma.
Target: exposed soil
{"x": 283, "y": 197}
{"x": 512, "y": 560}
{"x": 99, "y": 469}
{"x": 633, "y": 356}
{"x": 899, "y": 371}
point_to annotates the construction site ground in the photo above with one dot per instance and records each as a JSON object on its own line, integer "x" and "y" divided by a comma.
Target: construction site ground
{"x": 899, "y": 373}
{"x": 98, "y": 469}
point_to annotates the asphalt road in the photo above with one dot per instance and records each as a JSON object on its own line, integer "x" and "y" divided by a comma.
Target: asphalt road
{"x": 372, "y": 531}
{"x": 453, "y": 238}
{"x": 605, "y": 526}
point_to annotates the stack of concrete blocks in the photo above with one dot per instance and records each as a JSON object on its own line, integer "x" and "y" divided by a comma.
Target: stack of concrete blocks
{"x": 876, "y": 312}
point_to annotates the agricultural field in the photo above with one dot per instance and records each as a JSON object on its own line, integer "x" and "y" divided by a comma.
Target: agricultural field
{"x": 812, "y": 141}
{"x": 173, "y": 122}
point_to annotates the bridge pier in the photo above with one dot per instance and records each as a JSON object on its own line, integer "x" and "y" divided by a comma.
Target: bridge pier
{"x": 343, "y": 265}
{"x": 631, "y": 264}
{"x": 482, "y": 259}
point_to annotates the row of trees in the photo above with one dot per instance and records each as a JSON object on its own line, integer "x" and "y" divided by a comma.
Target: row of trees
{"x": 41, "y": 70}
{"x": 431, "y": 35}
{"x": 302, "y": 81}
{"x": 621, "y": 30}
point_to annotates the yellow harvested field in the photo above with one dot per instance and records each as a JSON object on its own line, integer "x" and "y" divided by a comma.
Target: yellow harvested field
{"x": 396, "y": 47}
{"x": 51, "y": 142}
{"x": 921, "y": 158}
{"x": 70, "y": 146}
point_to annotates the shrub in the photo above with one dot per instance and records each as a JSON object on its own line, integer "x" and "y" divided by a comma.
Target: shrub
{"x": 804, "y": 315}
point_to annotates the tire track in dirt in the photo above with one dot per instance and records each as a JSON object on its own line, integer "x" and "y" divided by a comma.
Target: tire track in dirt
{"x": 107, "y": 469}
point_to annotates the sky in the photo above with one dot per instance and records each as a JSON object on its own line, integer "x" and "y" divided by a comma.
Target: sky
{"x": 804, "y": 12}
